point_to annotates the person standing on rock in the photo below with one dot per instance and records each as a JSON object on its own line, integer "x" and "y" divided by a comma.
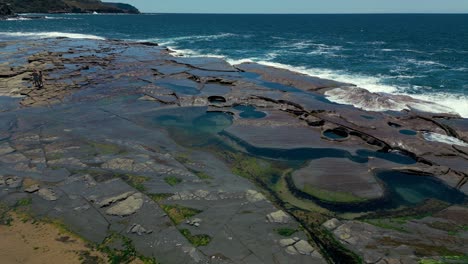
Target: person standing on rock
{"x": 35, "y": 76}
{"x": 41, "y": 80}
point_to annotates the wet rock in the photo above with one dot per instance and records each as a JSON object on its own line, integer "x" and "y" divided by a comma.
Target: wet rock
{"x": 279, "y": 217}
{"x": 282, "y": 76}
{"x": 128, "y": 206}
{"x": 47, "y": 194}
{"x": 327, "y": 174}
{"x": 32, "y": 189}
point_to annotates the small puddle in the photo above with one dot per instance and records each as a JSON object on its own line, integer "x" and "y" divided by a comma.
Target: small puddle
{"x": 367, "y": 117}
{"x": 408, "y": 132}
{"x": 335, "y": 134}
{"x": 249, "y": 112}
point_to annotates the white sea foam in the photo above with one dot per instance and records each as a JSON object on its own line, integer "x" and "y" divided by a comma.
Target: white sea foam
{"x": 425, "y": 63}
{"x": 18, "y": 19}
{"x": 445, "y": 102}
{"x": 42, "y": 35}
{"x": 318, "y": 48}
{"x": 169, "y": 41}
{"x": 376, "y": 42}
{"x": 61, "y": 18}
{"x": 192, "y": 53}
{"x": 172, "y": 42}
{"x": 435, "y": 137}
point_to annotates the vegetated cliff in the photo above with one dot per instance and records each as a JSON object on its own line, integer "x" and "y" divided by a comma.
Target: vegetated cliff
{"x": 68, "y": 6}
{"x": 5, "y": 10}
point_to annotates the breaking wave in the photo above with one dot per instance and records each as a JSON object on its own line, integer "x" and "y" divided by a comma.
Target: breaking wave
{"x": 435, "y": 137}
{"x": 42, "y": 35}
{"x": 455, "y": 102}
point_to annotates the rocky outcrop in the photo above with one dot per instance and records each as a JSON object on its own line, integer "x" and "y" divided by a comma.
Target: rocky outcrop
{"x": 67, "y": 6}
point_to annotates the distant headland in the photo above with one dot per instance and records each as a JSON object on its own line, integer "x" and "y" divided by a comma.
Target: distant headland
{"x": 10, "y": 7}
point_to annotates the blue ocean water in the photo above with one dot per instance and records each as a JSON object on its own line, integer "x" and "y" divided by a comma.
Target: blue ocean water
{"x": 425, "y": 56}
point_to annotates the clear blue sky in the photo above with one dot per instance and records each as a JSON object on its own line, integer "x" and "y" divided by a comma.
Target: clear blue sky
{"x": 300, "y": 6}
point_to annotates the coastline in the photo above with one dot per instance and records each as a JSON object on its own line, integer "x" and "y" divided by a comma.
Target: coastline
{"x": 453, "y": 104}
{"x": 130, "y": 137}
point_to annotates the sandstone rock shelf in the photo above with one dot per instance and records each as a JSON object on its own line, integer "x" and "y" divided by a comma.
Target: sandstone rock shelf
{"x": 194, "y": 160}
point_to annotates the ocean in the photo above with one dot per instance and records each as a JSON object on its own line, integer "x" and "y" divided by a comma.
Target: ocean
{"x": 425, "y": 56}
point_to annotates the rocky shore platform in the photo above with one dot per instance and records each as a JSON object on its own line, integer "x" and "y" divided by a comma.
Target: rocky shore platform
{"x": 192, "y": 160}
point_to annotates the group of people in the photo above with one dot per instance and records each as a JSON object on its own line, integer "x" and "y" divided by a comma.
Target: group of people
{"x": 38, "y": 79}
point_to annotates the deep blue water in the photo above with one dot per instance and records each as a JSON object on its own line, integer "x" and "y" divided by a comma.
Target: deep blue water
{"x": 422, "y": 55}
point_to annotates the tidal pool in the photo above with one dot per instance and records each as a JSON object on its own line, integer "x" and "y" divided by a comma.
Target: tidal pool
{"x": 335, "y": 134}
{"x": 408, "y": 132}
{"x": 367, "y": 117}
{"x": 249, "y": 112}
{"x": 410, "y": 189}
{"x": 195, "y": 128}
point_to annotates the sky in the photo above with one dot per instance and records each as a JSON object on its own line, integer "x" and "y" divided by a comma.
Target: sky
{"x": 300, "y": 6}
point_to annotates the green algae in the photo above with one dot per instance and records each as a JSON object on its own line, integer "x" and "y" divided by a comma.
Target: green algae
{"x": 172, "y": 180}
{"x": 158, "y": 197}
{"x": 196, "y": 240}
{"x": 286, "y": 231}
{"x": 331, "y": 196}
{"x": 179, "y": 213}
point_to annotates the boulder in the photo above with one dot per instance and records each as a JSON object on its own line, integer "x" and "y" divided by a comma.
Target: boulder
{"x": 32, "y": 189}
{"x": 303, "y": 247}
{"x": 331, "y": 224}
{"x": 47, "y": 194}
{"x": 254, "y": 196}
{"x": 279, "y": 217}
{"x": 128, "y": 206}
{"x": 287, "y": 242}
{"x": 113, "y": 199}
{"x": 194, "y": 222}
{"x": 138, "y": 229}
{"x": 291, "y": 250}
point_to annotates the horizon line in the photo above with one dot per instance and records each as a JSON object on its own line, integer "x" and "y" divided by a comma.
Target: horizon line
{"x": 357, "y": 13}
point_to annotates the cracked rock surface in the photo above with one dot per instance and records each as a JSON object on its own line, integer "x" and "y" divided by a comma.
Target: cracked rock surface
{"x": 199, "y": 161}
